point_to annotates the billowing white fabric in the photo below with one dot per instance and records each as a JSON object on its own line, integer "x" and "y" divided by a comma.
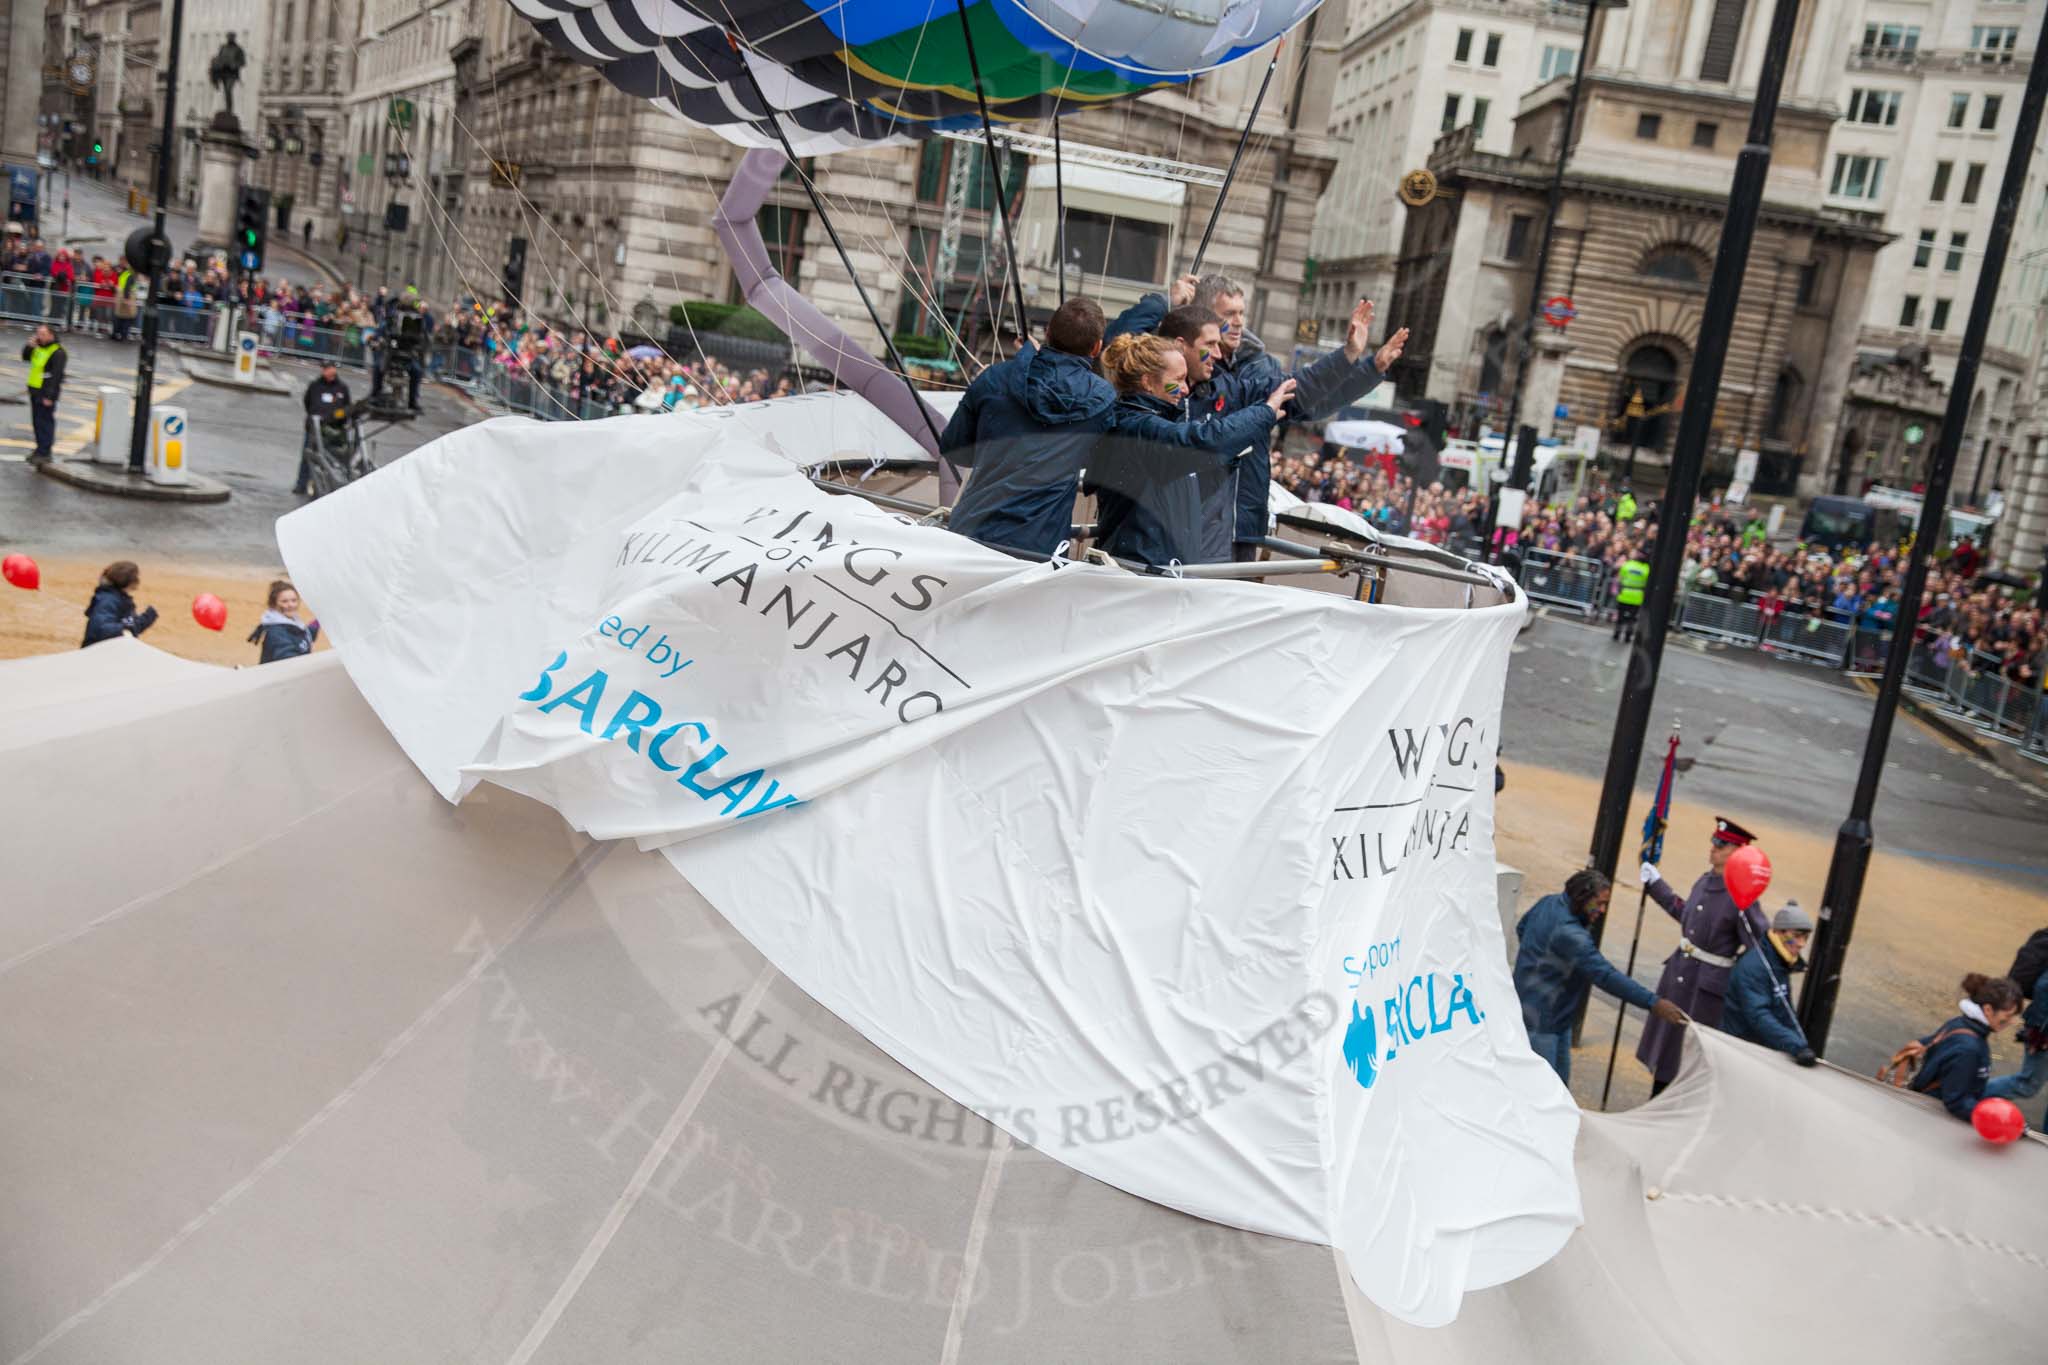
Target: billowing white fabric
{"x": 1187, "y": 884}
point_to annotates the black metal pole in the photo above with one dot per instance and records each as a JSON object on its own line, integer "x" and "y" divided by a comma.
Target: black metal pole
{"x": 1518, "y": 443}
{"x": 995, "y": 171}
{"x": 1695, "y": 427}
{"x": 1059, "y": 204}
{"x": 818, "y": 207}
{"x": 1230, "y": 174}
{"x": 160, "y": 256}
{"x": 1854, "y": 840}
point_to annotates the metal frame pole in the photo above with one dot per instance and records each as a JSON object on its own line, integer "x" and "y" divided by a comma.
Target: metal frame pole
{"x": 160, "y": 253}
{"x": 1724, "y": 297}
{"x": 818, "y": 206}
{"x": 1853, "y": 841}
{"x": 1518, "y": 443}
{"x": 1230, "y": 174}
{"x": 995, "y": 170}
{"x": 1059, "y": 205}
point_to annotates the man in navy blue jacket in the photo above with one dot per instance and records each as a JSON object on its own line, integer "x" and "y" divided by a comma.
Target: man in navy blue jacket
{"x": 1026, "y": 426}
{"x": 1557, "y": 964}
{"x": 1243, "y": 374}
{"x": 1759, "y": 1002}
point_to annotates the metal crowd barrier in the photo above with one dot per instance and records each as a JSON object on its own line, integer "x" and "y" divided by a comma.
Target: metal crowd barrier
{"x": 1575, "y": 581}
{"x": 1808, "y": 637}
{"x": 1719, "y": 618}
{"x": 34, "y": 298}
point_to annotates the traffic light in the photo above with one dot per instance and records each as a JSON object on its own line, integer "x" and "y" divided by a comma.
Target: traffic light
{"x": 514, "y": 276}
{"x": 94, "y": 159}
{"x": 252, "y": 222}
{"x": 1435, "y": 421}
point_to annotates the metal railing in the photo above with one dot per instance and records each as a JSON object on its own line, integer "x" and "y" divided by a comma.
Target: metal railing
{"x": 1969, "y": 687}
{"x": 1577, "y": 582}
{"x": 1719, "y": 618}
{"x": 1812, "y": 637}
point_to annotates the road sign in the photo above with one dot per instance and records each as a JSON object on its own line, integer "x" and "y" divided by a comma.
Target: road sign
{"x": 245, "y": 357}
{"x": 1558, "y": 311}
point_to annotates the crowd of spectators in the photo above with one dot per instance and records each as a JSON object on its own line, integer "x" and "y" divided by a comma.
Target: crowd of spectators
{"x": 1390, "y": 500}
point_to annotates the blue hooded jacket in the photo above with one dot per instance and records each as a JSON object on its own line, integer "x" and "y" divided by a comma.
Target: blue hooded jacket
{"x": 1244, "y": 377}
{"x": 1026, "y": 426}
{"x": 1956, "y": 1069}
{"x": 1557, "y": 964}
{"x": 1758, "y": 1006}
{"x": 1148, "y": 476}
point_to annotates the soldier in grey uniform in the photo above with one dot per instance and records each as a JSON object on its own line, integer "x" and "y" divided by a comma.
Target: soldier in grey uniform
{"x": 1712, "y": 933}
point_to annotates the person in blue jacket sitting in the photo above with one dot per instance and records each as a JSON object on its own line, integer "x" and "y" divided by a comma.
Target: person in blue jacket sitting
{"x": 1147, "y": 477}
{"x": 1956, "y": 1062}
{"x": 1557, "y": 964}
{"x": 279, "y": 632}
{"x": 1026, "y": 426}
{"x": 1759, "y": 1003}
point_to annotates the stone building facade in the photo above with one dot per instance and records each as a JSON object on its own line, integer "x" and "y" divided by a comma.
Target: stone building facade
{"x": 309, "y": 68}
{"x": 1649, "y": 166}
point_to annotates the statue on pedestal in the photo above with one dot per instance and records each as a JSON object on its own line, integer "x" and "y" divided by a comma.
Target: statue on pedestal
{"x": 224, "y": 73}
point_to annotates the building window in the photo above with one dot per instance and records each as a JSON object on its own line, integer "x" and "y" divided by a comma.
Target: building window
{"x": 1492, "y": 55}
{"x": 1809, "y": 284}
{"x": 1649, "y": 125}
{"x": 1890, "y": 38}
{"x": 1463, "y": 52}
{"x": 1937, "y": 318}
{"x": 1704, "y": 134}
{"x": 1120, "y": 248}
{"x": 1784, "y": 397}
{"x": 1923, "y": 251}
{"x": 782, "y": 233}
{"x": 1956, "y": 242}
{"x": 1451, "y": 103}
{"x": 1479, "y": 108}
{"x": 1857, "y": 177}
{"x": 1559, "y": 61}
{"x": 1958, "y": 110}
{"x": 1717, "y": 60}
{"x": 1909, "y": 311}
{"x": 1987, "y": 122}
{"x": 1880, "y": 107}
{"x": 1994, "y": 44}
{"x": 1672, "y": 264}
{"x": 1942, "y": 171}
{"x": 1973, "y": 181}
{"x": 1518, "y": 236}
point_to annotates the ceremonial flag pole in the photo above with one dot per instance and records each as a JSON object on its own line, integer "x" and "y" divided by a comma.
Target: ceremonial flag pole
{"x": 1653, "y": 851}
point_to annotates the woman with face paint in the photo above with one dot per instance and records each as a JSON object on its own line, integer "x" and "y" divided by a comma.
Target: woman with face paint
{"x": 1147, "y": 475}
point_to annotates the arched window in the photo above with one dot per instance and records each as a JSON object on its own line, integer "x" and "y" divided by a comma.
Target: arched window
{"x": 1785, "y": 396}
{"x": 1671, "y": 263}
{"x": 1649, "y": 386}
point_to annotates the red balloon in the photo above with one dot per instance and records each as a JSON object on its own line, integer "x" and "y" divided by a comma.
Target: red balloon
{"x": 1748, "y": 875}
{"x": 209, "y": 611}
{"x": 1998, "y": 1120}
{"x": 22, "y": 572}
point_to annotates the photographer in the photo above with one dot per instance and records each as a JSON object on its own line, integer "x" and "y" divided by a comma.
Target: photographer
{"x": 327, "y": 407}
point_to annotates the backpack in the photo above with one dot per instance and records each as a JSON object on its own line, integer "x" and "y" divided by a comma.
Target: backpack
{"x": 1899, "y": 1070}
{"x": 2031, "y": 962}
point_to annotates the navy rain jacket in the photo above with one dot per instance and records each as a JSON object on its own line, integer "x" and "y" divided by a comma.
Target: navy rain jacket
{"x": 1148, "y": 476}
{"x": 1026, "y": 426}
{"x": 1557, "y": 964}
{"x": 112, "y": 614}
{"x": 1758, "y": 1006}
{"x": 1955, "y": 1069}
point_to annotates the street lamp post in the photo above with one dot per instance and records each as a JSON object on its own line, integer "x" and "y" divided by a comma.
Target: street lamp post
{"x": 1523, "y": 438}
{"x": 1853, "y": 840}
{"x": 1695, "y": 426}
{"x": 145, "y": 352}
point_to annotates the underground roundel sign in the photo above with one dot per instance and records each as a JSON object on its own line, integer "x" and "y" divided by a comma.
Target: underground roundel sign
{"x": 1558, "y": 311}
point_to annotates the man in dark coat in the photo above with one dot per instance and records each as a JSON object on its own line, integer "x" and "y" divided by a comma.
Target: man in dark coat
{"x": 2030, "y": 973}
{"x": 45, "y": 356}
{"x": 1712, "y": 931}
{"x": 1759, "y": 1003}
{"x": 1557, "y": 964}
{"x": 1026, "y": 427}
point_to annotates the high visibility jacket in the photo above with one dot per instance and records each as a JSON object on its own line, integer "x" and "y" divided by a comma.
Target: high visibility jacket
{"x": 1625, "y": 510}
{"x": 39, "y": 362}
{"x": 1635, "y": 576}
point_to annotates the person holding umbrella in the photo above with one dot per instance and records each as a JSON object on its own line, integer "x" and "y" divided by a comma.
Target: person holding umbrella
{"x": 1714, "y": 927}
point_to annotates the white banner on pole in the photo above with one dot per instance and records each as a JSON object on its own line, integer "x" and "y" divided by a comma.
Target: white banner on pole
{"x": 1188, "y": 884}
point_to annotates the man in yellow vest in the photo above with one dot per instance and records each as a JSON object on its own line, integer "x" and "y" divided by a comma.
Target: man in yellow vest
{"x": 45, "y": 357}
{"x": 1634, "y": 576}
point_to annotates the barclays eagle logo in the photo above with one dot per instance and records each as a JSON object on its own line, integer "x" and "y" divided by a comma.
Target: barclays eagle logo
{"x": 1361, "y": 1047}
